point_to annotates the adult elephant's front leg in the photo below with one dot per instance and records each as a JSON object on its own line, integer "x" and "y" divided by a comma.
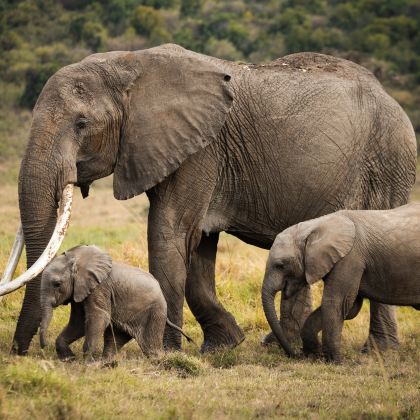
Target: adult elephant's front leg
{"x": 219, "y": 326}
{"x": 167, "y": 263}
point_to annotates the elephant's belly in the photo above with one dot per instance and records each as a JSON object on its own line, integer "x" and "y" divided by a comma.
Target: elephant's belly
{"x": 253, "y": 232}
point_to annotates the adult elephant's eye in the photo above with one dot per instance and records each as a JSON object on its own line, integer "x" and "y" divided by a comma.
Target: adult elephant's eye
{"x": 81, "y": 123}
{"x": 56, "y": 284}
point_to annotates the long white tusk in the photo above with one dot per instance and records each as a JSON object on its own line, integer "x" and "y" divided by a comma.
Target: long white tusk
{"x": 14, "y": 258}
{"x": 52, "y": 247}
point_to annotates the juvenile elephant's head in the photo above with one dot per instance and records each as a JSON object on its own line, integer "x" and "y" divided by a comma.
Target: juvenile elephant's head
{"x": 302, "y": 255}
{"x": 71, "y": 276}
{"x": 138, "y": 115}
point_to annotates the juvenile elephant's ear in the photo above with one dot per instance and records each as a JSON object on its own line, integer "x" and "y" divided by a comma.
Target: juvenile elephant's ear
{"x": 177, "y": 106}
{"x": 330, "y": 238}
{"x": 91, "y": 266}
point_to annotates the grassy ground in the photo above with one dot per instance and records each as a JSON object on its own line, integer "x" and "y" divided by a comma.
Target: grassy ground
{"x": 247, "y": 382}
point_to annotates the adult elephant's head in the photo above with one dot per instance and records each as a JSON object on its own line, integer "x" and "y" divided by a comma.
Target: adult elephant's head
{"x": 138, "y": 115}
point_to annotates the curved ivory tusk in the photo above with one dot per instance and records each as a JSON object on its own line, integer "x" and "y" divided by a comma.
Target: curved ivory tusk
{"x": 52, "y": 247}
{"x": 14, "y": 258}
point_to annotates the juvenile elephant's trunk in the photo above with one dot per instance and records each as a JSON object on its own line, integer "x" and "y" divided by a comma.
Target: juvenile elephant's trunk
{"x": 268, "y": 294}
{"x": 47, "y": 312}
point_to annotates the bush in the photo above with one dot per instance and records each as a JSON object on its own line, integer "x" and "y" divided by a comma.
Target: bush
{"x": 146, "y": 19}
{"x": 35, "y": 79}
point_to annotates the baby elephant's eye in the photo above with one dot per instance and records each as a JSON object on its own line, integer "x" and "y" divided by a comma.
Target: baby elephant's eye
{"x": 279, "y": 265}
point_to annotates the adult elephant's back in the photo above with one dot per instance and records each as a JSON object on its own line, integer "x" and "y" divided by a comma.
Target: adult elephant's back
{"x": 310, "y": 134}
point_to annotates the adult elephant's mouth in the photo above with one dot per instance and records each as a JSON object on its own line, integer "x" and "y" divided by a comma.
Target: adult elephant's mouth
{"x": 8, "y": 286}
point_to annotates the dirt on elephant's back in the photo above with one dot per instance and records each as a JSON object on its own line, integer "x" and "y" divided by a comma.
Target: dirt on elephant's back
{"x": 319, "y": 63}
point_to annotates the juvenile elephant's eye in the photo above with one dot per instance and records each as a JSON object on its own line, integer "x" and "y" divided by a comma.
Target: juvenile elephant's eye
{"x": 279, "y": 265}
{"x": 81, "y": 123}
{"x": 56, "y": 284}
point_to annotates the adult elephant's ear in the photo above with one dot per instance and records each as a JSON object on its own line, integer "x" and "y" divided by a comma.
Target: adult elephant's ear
{"x": 177, "y": 106}
{"x": 90, "y": 267}
{"x": 330, "y": 238}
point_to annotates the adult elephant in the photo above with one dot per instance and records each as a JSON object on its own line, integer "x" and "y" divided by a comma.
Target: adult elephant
{"x": 217, "y": 146}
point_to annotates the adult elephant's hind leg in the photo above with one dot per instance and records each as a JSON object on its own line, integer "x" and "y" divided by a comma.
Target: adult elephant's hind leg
{"x": 219, "y": 326}
{"x": 383, "y": 330}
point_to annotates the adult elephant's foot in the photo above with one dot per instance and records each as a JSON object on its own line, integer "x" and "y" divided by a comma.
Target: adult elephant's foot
{"x": 223, "y": 333}
{"x": 65, "y": 354}
{"x": 172, "y": 339}
{"x": 380, "y": 344}
{"x": 19, "y": 350}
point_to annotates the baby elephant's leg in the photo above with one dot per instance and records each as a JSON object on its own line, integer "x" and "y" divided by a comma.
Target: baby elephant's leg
{"x": 309, "y": 333}
{"x": 114, "y": 339}
{"x": 74, "y": 330}
{"x": 150, "y": 336}
{"x": 97, "y": 320}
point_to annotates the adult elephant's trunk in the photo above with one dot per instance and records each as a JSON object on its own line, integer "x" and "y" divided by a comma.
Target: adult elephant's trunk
{"x": 269, "y": 291}
{"x": 42, "y": 179}
{"x": 46, "y": 316}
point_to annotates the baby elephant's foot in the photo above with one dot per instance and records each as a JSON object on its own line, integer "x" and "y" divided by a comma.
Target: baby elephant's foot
{"x": 312, "y": 353}
{"x": 311, "y": 347}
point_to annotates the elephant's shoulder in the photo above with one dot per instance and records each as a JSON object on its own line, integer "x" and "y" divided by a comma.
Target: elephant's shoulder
{"x": 311, "y": 62}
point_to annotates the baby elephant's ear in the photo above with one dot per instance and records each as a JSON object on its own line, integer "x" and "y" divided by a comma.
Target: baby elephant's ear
{"x": 91, "y": 266}
{"x": 330, "y": 238}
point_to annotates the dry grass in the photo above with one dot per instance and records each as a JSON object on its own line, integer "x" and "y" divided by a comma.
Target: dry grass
{"x": 246, "y": 382}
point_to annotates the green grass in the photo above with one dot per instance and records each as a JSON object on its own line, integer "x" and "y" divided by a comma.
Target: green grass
{"x": 247, "y": 382}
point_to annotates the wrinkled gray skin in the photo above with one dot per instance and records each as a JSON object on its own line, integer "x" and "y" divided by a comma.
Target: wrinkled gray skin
{"x": 217, "y": 146}
{"x": 109, "y": 301}
{"x": 359, "y": 254}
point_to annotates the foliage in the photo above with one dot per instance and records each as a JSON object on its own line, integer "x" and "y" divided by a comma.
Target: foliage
{"x": 381, "y": 35}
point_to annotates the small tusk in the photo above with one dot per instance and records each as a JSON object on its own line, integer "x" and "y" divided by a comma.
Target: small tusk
{"x": 52, "y": 247}
{"x": 15, "y": 254}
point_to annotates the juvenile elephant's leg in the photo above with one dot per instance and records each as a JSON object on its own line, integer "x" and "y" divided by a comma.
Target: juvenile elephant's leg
{"x": 340, "y": 302}
{"x": 309, "y": 333}
{"x": 383, "y": 330}
{"x": 331, "y": 333}
{"x": 114, "y": 340}
{"x": 150, "y": 337}
{"x": 97, "y": 320}
{"x": 74, "y": 330}
{"x": 313, "y": 325}
{"x": 219, "y": 326}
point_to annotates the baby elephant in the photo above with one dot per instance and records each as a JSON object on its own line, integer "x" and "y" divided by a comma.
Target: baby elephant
{"x": 359, "y": 254}
{"x": 108, "y": 300}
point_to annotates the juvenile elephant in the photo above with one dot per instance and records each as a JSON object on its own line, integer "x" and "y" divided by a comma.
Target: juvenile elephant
{"x": 108, "y": 300}
{"x": 359, "y": 254}
{"x": 217, "y": 146}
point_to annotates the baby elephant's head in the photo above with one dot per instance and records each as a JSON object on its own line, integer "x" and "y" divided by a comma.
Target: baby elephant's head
{"x": 300, "y": 256}
{"x": 71, "y": 276}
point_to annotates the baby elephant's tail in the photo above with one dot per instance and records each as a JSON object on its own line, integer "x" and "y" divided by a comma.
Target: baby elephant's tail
{"x": 172, "y": 325}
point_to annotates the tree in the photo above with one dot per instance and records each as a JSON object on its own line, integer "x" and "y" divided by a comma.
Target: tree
{"x": 146, "y": 19}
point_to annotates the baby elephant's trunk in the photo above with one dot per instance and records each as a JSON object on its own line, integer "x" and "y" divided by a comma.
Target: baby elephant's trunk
{"x": 47, "y": 312}
{"x": 172, "y": 325}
